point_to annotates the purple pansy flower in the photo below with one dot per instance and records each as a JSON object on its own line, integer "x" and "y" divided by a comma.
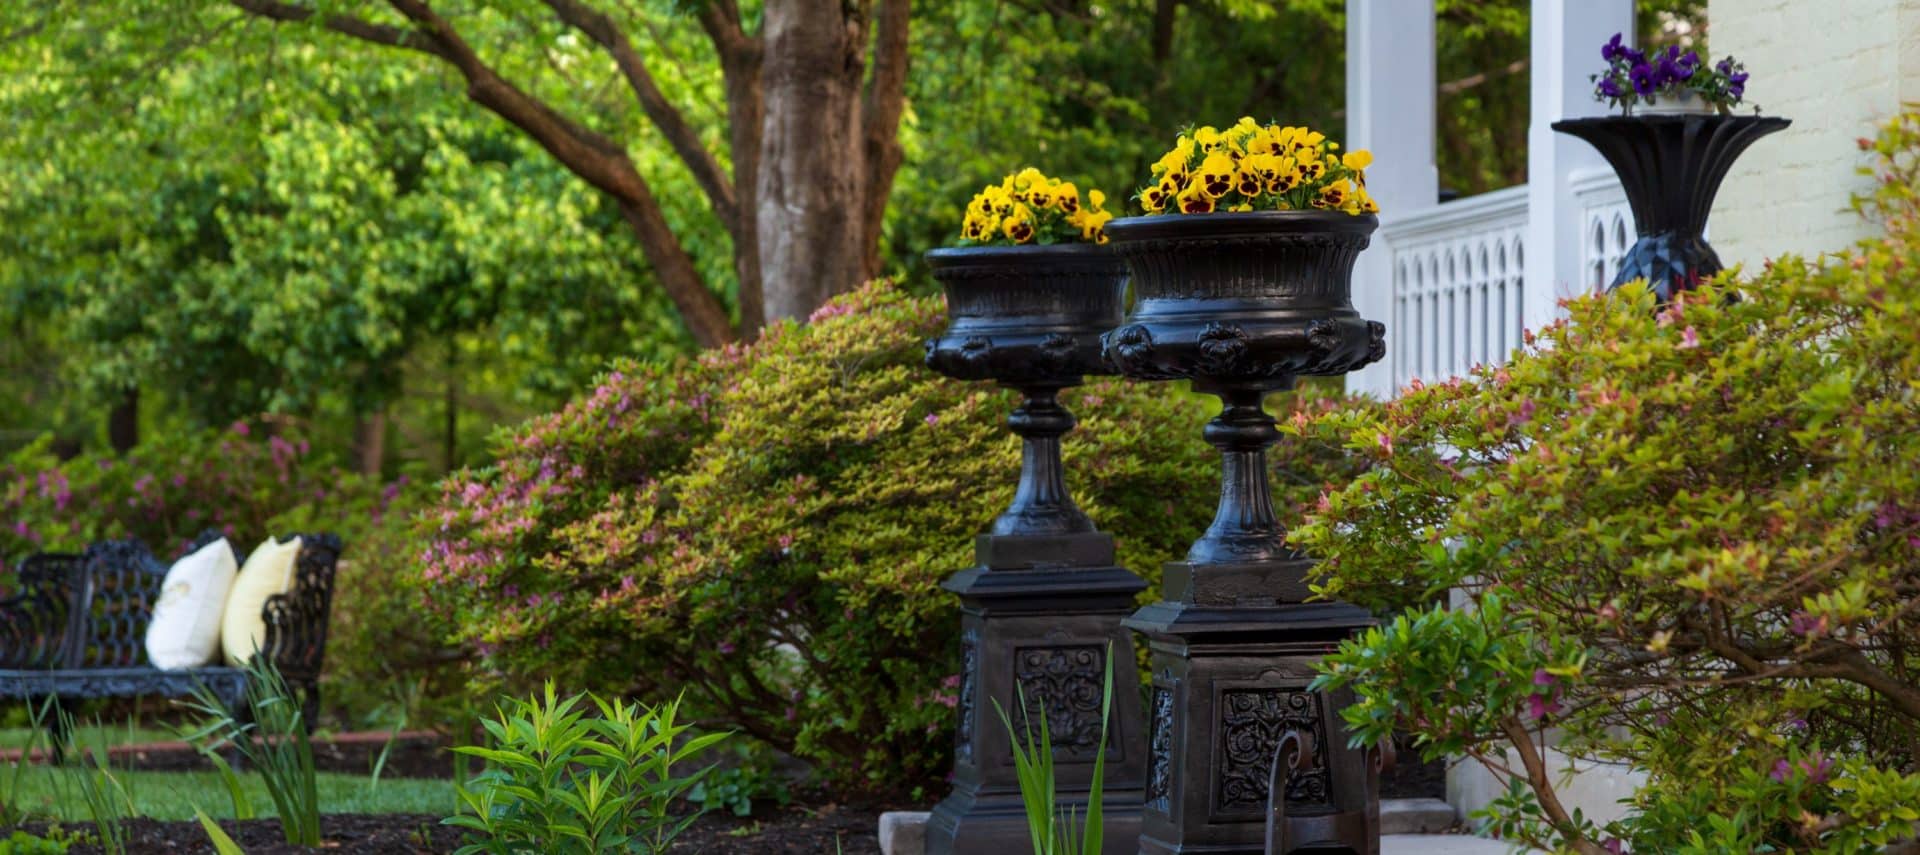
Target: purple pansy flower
{"x": 1610, "y": 87}
{"x": 1613, "y": 49}
{"x": 1642, "y": 76}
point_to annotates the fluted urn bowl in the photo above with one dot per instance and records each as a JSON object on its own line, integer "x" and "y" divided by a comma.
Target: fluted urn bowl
{"x": 1026, "y": 314}
{"x": 1242, "y": 300}
{"x": 1030, "y": 318}
{"x": 1671, "y": 167}
{"x": 1241, "y": 304}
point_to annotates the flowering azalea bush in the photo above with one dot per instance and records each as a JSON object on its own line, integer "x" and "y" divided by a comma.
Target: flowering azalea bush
{"x": 173, "y": 487}
{"x": 1635, "y": 76}
{"x": 1027, "y": 207}
{"x": 765, "y": 529}
{"x": 1692, "y": 537}
{"x": 1255, "y": 167}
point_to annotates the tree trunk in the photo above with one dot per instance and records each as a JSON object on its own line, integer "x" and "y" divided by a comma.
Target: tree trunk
{"x": 451, "y": 437}
{"x": 123, "y": 424}
{"x": 370, "y": 442}
{"x": 812, "y": 179}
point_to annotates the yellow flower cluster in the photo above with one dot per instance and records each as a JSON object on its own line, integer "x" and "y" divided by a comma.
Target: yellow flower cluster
{"x": 1027, "y": 207}
{"x": 1255, "y": 167}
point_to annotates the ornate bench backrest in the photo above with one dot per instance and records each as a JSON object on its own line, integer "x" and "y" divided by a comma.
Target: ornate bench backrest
{"x": 38, "y": 631}
{"x": 91, "y": 610}
{"x": 120, "y": 582}
{"x": 297, "y": 622}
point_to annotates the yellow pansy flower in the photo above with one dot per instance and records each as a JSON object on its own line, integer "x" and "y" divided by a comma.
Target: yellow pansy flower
{"x": 1019, "y": 227}
{"x": 1246, "y": 180}
{"x": 1331, "y": 196}
{"x": 1194, "y": 200}
{"x": 1215, "y": 176}
{"x": 1096, "y": 199}
{"x": 1357, "y": 159}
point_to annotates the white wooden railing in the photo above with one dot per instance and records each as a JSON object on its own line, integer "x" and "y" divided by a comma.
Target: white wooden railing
{"x": 1460, "y": 294}
{"x": 1606, "y": 226}
{"x": 1457, "y": 284}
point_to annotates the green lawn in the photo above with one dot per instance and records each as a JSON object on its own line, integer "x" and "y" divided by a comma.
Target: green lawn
{"x": 91, "y": 734}
{"x": 173, "y": 795}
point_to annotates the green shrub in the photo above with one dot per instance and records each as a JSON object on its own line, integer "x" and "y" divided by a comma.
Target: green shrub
{"x": 766, "y": 527}
{"x": 562, "y": 781}
{"x": 173, "y": 487}
{"x": 1694, "y": 537}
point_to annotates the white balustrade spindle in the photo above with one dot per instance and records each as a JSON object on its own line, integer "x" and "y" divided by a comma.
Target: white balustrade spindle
{"x": 1457, "y": 292}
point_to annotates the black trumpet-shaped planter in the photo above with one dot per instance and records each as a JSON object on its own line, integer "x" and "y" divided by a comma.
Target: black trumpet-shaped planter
{"x": 1042, "y": 608}
{"x": 1671, "y": 168}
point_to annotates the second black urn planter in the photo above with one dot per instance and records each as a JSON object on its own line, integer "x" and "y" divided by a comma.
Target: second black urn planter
{"x": 1242, "y": 304}
{"x": 1042, "y": 608}
{"x": 1671, "y": 167}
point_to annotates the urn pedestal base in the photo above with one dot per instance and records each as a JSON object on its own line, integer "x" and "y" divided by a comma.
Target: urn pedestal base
{"x": 1230, "y": 675}
{"x": 1041, "y": 613}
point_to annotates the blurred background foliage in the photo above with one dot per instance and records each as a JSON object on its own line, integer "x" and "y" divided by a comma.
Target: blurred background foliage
{"x": 206, "y": 218}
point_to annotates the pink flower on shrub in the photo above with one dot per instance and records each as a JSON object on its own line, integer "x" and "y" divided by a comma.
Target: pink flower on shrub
{"x": 1689, "y": 339}
{"x": 1807, "y": 625}
{"x": 726, "y": 648}
{"x": 1523, "y": 415}
{"x": 1814, "y": 767}
{"x": 241, "y": 428}
{"x": 932, "y": 419}
{"x": 1545, "y": 701}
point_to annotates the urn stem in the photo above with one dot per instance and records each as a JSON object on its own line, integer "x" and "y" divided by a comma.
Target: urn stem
{"x": 1041, "y": 503}
{"x": 1244, "y": 527}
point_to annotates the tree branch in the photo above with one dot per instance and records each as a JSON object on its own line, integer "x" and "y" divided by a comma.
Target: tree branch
{"x": 886, "y": 101}
{"x": 603, "y": 163}
{"x": 713, "y": 180}
{"x": 1542, "y": 783}
{"x": 741, "y": 60}
{"x": 346, "y": 25}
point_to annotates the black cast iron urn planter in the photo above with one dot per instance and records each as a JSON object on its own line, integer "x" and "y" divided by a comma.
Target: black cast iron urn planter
{"x": 1043, "y": 606}
{"x": 1671, "y": 167}
{"x": 1241, "y": 305}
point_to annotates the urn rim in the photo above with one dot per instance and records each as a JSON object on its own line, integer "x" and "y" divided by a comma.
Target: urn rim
{"x": 1228, "y": 223}
{"x": 1570, "y": 126}
{"x": 1085, "y": 254}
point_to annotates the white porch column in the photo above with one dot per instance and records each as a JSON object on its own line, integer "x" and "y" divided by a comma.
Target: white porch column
{"x": 1567, "y": 35}
{"x": 1390, "y": 111}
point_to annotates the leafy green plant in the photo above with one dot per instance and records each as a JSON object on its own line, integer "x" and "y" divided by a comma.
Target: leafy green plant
{"x": 105, "y": 796}
{"x": 769, "y": 525}
{"x": 223, "y": 843}
{"x": 1691, "y": 534}
{"x": 11, "y": 813}
{"x": 560, "y": 780}
{"x": 236, "y": 793}
{"x": 275, "y": 741}
{"x": 1052, "y": 826}
{"x": 55, "y": 842}
{"x": 736, "y": 788}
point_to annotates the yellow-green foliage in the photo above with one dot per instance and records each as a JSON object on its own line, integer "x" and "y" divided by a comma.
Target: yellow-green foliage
{"x": 1700, "y": 527}
{"x": 766, "y": 529}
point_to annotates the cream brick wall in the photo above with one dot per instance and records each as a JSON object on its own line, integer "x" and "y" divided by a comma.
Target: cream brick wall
{"x": 1837, "y": 68}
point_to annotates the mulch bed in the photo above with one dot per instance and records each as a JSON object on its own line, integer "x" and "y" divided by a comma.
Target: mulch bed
{"x": 794, "y": 830}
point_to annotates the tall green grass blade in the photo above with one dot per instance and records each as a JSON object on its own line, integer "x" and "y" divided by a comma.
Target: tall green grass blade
{"x": 222, "y": 844}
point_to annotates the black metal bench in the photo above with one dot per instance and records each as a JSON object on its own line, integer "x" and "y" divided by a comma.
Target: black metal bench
{"x": 76, "y": 629}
